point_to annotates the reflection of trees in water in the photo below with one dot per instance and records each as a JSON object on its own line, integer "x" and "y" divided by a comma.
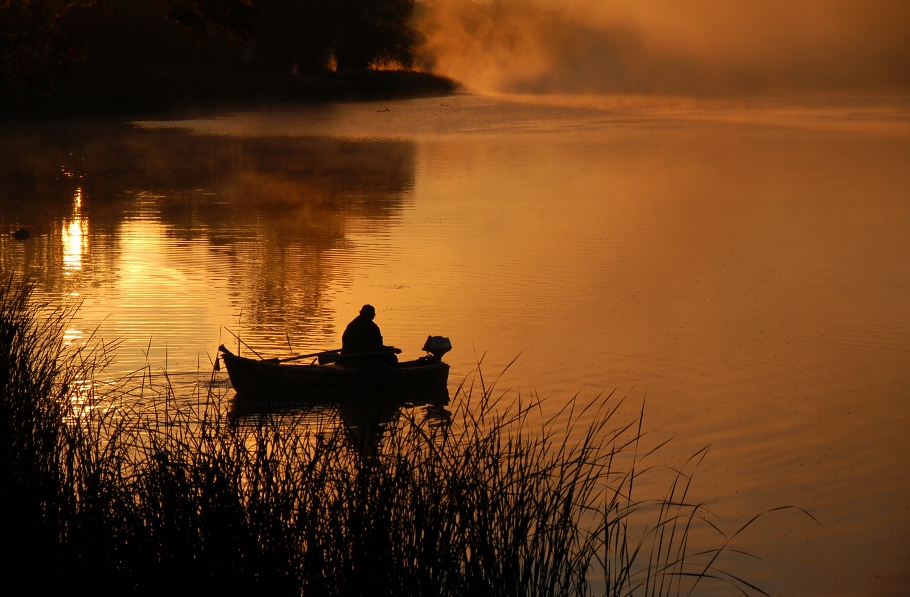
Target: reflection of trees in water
{"x": 268, "y": 207}
{"x": 43, "y": 187}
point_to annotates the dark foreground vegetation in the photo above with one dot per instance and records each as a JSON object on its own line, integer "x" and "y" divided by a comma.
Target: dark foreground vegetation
{"x": 98, "y": 497}
{"x": 99, "y": 57}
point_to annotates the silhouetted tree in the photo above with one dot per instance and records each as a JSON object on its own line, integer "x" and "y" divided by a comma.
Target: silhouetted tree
{"x": 233, "y": 19}
{"x": 130, "y": 34}
{"x": 33, "y": 42}
{"x": 295, "y": 35}
{"x": 371, "y": 31}
{"x": 304, "y": 34}
{"x": 138, "y": 53}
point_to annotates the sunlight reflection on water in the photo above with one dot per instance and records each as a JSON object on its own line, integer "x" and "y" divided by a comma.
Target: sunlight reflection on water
{"x": 75, "y": 237}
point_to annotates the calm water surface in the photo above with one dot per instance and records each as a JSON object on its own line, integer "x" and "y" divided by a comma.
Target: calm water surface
{"x": 742, "y": 267}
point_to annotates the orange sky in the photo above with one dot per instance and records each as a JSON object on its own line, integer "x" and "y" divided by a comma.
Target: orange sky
{"x": 666, "y": 45}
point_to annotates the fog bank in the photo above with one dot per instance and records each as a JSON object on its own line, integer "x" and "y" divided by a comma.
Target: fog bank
{"x": 698, "y": 46}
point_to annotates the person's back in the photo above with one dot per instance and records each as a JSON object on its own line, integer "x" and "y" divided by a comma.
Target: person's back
{"x": 363, "y": 336}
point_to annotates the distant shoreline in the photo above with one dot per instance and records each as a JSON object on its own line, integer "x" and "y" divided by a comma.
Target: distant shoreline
{"x": 185, "y": 91}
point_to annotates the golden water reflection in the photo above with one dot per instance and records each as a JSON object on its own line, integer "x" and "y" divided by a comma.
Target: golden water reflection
{"x": 181, "y": 235}
{"x": 75, "y": 237}
{"x": 74, "y": 336}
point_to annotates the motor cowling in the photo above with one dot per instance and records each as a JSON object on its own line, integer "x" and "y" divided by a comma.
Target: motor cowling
{"x": 437, "y": 346}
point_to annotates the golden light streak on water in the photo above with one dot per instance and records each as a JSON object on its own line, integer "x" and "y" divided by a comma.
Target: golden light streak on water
{"x": 75, "y": 237}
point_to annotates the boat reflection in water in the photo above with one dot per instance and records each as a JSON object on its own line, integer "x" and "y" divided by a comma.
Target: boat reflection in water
{"x": 364, "y": 420}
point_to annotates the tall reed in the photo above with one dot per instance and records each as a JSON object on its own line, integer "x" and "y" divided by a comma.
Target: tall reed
{"x": 500, "y": 501}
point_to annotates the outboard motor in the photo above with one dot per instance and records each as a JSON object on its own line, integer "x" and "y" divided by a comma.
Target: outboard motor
{"x": 437, "y": 346}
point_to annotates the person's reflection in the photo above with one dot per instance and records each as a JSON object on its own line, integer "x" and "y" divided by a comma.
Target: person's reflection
{"x": 366, "y": 423}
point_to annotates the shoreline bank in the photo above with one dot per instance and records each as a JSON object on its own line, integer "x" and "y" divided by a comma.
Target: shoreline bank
{"x": 155, "y": 91}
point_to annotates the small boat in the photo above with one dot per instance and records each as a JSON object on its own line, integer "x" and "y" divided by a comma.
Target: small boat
{"x": 421, "y": 381}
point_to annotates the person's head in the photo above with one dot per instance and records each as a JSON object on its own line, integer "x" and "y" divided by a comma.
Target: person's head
{"x": 368, "y": 311}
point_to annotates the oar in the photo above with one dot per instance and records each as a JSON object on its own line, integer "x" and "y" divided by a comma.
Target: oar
{"x": 390, "y": 349}
{"x": 307, "y": 356}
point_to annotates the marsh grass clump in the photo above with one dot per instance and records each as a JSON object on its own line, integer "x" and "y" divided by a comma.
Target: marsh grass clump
{"x": 37, "y": 379}
{"x": 498, "y": 501}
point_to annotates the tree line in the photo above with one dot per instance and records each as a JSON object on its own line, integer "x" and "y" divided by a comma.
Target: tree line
{"x": 40, "y": 39}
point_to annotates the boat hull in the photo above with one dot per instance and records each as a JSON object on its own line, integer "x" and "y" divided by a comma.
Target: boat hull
{"x": 418, "y": 382}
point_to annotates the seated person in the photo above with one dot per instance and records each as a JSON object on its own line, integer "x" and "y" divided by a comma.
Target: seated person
{"x": 363, "y": 336}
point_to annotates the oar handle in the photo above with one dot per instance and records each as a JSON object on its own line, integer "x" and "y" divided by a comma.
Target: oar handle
{"x": 388, "y": 349}
{"x": 357, "y": 355}
{"x": 307, "y": 356}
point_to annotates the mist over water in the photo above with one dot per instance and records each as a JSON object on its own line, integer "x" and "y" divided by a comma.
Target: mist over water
{"x": 700, "y": 46}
